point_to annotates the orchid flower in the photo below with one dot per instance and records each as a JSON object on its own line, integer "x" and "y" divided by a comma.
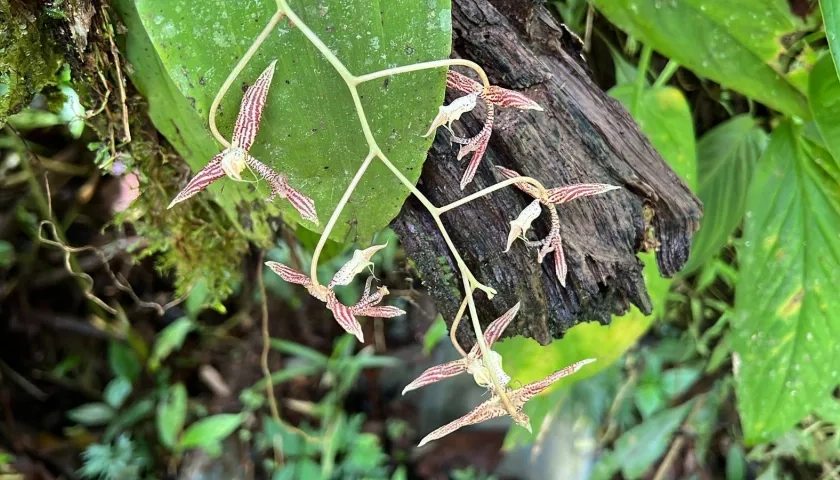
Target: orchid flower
{"x": 493, "y": 408}
{"x": 473, "y": 362}
{"x": 553, "y": 242}
{"x": 493, "y": 96}
{"x": 345, "y": 315}
{"x": 234, "y": 159}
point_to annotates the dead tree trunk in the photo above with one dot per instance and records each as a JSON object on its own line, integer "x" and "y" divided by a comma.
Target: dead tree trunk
{"x": 584, "y": 136}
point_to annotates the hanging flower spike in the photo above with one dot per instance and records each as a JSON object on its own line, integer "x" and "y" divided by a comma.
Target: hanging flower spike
{"x": 520, "y": 226}
{"x": 493, "y": 408}
{"x": 472, "y": 362}
{"x": 233, "y": 160}
{"x": 553, "y": 196}
{"x": 360, "y": 261}
{"x": 493, "y": 96}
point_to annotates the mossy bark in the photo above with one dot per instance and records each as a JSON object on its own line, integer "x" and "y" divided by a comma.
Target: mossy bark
{"x": 583, "y": 136}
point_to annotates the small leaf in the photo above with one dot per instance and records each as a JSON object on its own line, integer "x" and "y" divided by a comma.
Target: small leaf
{"x": 649, "y": 399}
{"x": 171, "y": 415}
{"x": 726, "y": 157}
{"x": 785, "y": 321}
{"x": 436, "y": 332}
{"x": 831, "y": 19}
{"x": 117, "y": 391}
{"x": 638, "y": 448}
{"x": 298, "y": 350}
{"x": 209, "y": 430}
{"x": 735, "y": 44}
{"x": 91, "y": 414}
{"x": 170, "y": 339}
{"x": 123, "y": 361}
{"x": 736, "y": 463}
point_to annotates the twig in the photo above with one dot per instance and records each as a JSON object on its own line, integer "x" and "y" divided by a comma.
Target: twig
{"x": 120, "y": 83}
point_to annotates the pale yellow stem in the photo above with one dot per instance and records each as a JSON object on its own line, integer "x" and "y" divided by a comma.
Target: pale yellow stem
{"x": 425, "y": 66}
{"x": 491, "y": 189}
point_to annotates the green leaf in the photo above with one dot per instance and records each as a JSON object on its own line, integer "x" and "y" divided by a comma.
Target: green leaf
{"x": 526, "y": 360}
{"x": 92, "y": 414}
{"x": 7, "y": 254}
{"x": 170, "y": 339}
{"x": 117, "y": 391}
{"x": 171, "y": 415}
{"x": 726, "y": 157}
{"x": 735, "y": 44}
{"x": 664, "y": 117}
{"x": 637, "y": 449}
{"x": 736, "y": 463}
{"x": 831, "y": 19}
{"x": 123, "y": 361}
{"x": 309, "y": 130}
{"x": 824, "y": 95}
{"x": 785, "y": 321}
{"x": 436, "y": 332}
{"x": 210, "y": 430}
{"x": 298, "y": 350}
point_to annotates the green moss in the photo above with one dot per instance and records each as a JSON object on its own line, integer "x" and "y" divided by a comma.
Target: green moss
{"x": 29, "y": 58}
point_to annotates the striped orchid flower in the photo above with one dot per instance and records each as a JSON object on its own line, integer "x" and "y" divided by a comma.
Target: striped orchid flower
{"x": 234, "y": 159}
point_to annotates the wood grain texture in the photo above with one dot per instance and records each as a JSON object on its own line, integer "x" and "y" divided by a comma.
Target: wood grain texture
{"x": 584, "y": 136}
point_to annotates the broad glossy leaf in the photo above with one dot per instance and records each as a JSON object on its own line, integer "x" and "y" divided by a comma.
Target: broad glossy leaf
{"x": 726, "y": 157}
{"x": 824, "y": 97}
{"x": 309, "y": 128}
{"x": 664, "y": 117}
{"x": 526, "y": 360}
{"x": 736, "y": 44}
{"x": 786, "y": 319}
{"x": 831, "y": 19}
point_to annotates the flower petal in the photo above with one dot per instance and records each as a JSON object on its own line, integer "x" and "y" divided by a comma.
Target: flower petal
{"x": 251, "y": 108}
{"x": 382, "y": 312}
{"x": 490, "y": 409}
{"x": 525, "y": 187}
{"x": 436, "y": 373}
{"x": 567, "y": 193}
{"x": 344, "y": 316}
{"x": 502, "y": 97}
{"x": 560, "y": 268}
{"x": 452, "y": 112}
{"x": 289, "y": 274}
{"x": 520, "y": 226}
{"x": 527, "y": 392}
{"x": 360, "y": 260}
{"x": 477, "y": 144}
{"x": 462, "y": 83}
{"x": 480, "y": 368}
{"x": 207, "y": 175}
{"x": 495, "y": 329}
{"x": 280, "y": 188}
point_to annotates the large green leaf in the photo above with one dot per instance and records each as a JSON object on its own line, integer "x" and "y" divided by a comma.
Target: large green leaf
{"x": 831, "y": 18}
{"x": 824, "y": 97}
{"x": 786, "y": 320}
{"x": 726, "y": 157}
{"x": 664, "y": 117}
{"x": 309, "y": 129}
{"x": 527, "y": 361}
{"x": 736, "y": 44}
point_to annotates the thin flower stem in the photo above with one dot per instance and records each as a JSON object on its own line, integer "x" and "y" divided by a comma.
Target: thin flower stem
{"x": 313, "y": 271}
{"x": 485, "y": 350}
{"x": 424, "y": 66}
{"x": 275, "y": 19}
{"x": 489, "y": 190}
{"x": 454, "y": 328}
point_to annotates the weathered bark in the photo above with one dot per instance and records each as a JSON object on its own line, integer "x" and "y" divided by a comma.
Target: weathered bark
{"x": 583, "y": 136}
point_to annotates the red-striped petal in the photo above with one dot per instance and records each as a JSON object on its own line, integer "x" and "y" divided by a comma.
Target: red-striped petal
{"x": 289, "y": 274}
{"x": 462, "y": 83}
{"x": 495, "y": 329}
{"x": 567, "y": 193}
{"x": 382, "y": 312}
{"x": 560, "y": 268}
{"x": 207, "y": 175}
{"x": 436, "y": 373}
{"x": 529, "y": 391}
{"x": 280, "y": 188}
{"x": 344, "y": 316}
{"x": 525, "y": 187}
{"x": 303, "y": 204}
{"x": 490, "y": 409}
{"x": 502, "y": 97}
{"x": 251, "y": 108}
